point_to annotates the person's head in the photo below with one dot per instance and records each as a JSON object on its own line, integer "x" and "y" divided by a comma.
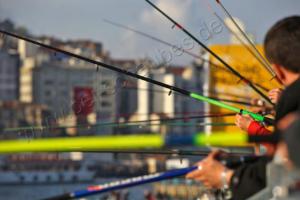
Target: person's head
{"x": 282, "y": 48}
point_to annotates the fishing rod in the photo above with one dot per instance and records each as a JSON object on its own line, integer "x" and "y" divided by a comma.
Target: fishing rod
{"x": 216, "y": 98}
{"x": 141, "y": 180}
{"x": 228, "y": 95}
{"x": 254, "y": 54}
{"x": 174, "y": 46}
{"x": 178, "y": 114}
{"x": 164, "y": 42}
{"x": 122, "y": 184}
{"x": 31, "y": 130}
{"x": 128, "y": 87}
{"x": 236, "y": 73}
{"x": 140, "y": 141}
{"x": 209, "y": 91}
{"x": 133, "y": 87}
{"x": 187, "y": 124}
{"x": 172, "y": 152}
{"x": 163, "y": 121}
{"x": 266, "y": 64}
{"x": 155, "y": 39}
{"x": 193, "y": 95}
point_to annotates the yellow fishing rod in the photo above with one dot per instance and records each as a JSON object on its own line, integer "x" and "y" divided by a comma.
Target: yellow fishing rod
{"x": 144, "y": 141}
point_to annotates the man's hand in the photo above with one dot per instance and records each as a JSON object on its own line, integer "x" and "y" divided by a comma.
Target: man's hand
{"x": 209, "y": 172}
{"x": 243, "y": 121}
{"x": 274, "y": 95}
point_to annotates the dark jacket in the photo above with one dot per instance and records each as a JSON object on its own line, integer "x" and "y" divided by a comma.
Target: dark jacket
{"x": 249, "y": 179}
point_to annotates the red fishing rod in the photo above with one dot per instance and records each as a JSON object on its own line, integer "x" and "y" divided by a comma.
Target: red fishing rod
{"x": 236, "y": 73}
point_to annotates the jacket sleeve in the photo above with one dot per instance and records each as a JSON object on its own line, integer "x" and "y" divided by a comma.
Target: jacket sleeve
{"x": 256, "y": 128}
{"x": 249, "y": 179}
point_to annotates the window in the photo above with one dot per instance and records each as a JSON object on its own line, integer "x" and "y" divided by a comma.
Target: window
{"x": 48, "y": 82}
{"x": 105, "y": 93}
{"x": 75, "y": 178}
{"x": 48, "y": 178}
{"x": 35, "y": 178}
{"x": 47, "y": 93}
{"x": 105, "y": 104}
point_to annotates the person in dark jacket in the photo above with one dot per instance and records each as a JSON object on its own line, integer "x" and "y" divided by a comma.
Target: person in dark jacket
{"x": 288, "y": 149}
{"x": 282, "y": 48}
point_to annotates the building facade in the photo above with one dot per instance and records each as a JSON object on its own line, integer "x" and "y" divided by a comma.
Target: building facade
{"x": 9, "y": 75}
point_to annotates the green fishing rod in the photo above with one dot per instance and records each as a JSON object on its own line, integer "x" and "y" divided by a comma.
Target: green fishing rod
{"x": 193, "y": 95}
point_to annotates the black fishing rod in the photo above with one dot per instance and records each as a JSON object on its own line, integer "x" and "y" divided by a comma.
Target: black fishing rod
{"x": 266, "y": 64}
{"x": 193, "y": 95}
{"x": 170, "y": 152}
{"x": 127, "y": 85}
{"x": 242, "y": 42}
{"x": 216, "y": 98}
{"x": 174, "y": 46}
{"x": 254, "y": 54}
{"x": 236, "y": 73}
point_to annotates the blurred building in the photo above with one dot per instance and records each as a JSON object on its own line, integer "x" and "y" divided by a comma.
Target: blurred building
{"x": 125, "y": 93}
{"x": 9, "y": 75}
{"x": 155, "y": 102}
{"x": 53, "y": 85}
{"x": 8, "y": 42}
{"x": 50, "y": 78}
{"x": 15, "y": 114}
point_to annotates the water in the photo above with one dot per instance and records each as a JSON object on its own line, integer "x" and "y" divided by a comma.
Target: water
{"x": 38, "y": 192}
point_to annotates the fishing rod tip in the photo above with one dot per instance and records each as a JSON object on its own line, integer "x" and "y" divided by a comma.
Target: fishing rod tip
{"x": 106, "y": 20}
{"x": 273, "y": 77}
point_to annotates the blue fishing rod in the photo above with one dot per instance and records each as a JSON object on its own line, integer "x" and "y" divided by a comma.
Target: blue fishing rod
{"x": 151, "y": 178}
{"x": 122, "y": 184}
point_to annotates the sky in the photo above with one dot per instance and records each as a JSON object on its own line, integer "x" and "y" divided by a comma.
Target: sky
{"x": 83, "y": 19}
